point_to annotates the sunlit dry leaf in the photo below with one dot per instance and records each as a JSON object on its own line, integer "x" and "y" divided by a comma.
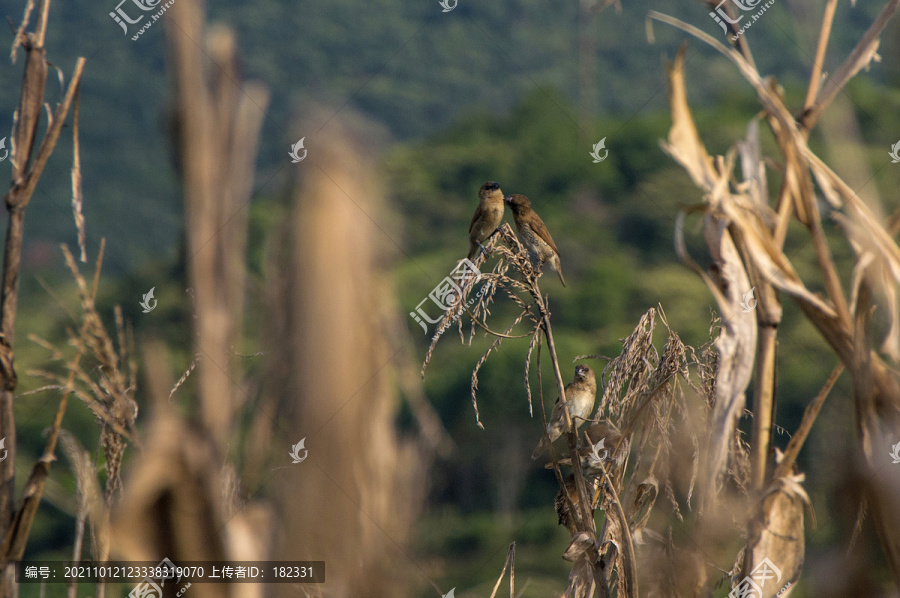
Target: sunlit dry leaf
{"x": 753, "y": 169}
{"x": 736, "y": 345}
{"x": 684, "y": 143}
{"x": 77, "y": 195}
{"x": 778, "y": 534}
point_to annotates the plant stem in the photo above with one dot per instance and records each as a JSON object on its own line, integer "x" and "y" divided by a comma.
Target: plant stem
{"x": 571, "y": 434}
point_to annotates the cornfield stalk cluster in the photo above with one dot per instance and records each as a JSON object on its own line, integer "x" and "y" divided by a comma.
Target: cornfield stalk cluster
{"x": 668, "y": 519}
{"x": 756, "y": 494}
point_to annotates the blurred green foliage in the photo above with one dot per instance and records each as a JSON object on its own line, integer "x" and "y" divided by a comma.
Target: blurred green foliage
{"x": 486, "y": 92}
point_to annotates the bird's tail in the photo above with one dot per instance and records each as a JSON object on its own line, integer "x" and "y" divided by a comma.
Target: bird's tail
{"x": 541, "y": 447}
{"x": 556, "y": 266}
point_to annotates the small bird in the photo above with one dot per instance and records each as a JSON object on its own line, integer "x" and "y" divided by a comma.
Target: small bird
{"x": 488, "y": 216}
{"x": 562, "y": 507}
{"x": 604, "y": 430}
{"x": 600, "y": 452}
{"x": 580, "y": 396}
{"x": 534, "y": 234}
{"x": 602, "y": 443}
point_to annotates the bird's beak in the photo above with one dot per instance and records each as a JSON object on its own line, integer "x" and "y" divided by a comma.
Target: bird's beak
{"x": 508, "y": 199}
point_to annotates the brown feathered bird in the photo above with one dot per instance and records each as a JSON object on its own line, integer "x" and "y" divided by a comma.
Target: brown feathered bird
{"x": 580, "y": 396}
{"x": 562, "y": 507}
{"x": 534, "y": 235}
{"x": 599, "y": 452}
{"x": 488, "y": 216}
{"x": 603, "y": 435}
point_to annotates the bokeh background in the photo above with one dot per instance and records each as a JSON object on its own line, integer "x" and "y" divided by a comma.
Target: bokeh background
{"x": 516, "y": 92}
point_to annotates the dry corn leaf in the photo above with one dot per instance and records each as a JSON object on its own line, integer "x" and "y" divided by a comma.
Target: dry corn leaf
{"x": 753, "y": 169}
{"x": 583, "y": 579}
{"x": 641, "y": 507}
{"x": 736, "y": 343}
{"x": 778, "y": 535}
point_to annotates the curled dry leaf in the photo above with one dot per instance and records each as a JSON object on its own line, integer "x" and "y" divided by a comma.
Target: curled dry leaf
{"x": 777, "y": 534}
{"x": 581, "y": 543}
{"x": 641, "y": 507}
{"x": 586, "y": 578}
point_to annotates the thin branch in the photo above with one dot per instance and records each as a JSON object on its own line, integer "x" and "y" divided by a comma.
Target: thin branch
{"x": 20, "y": 194}
{"x": 511, "y": 563}
{"x": 43, "y": 15}
{"x": 13, "y": 546}
{"x": 554, "y": 460}
{"x": 15, "y": 526}
{"x": 819, "y": 62}
{"x": 498, "y": 334}
{"x": 809, "y": 416}
{"x": 585, "y": 516}
{"x": 859, "y": 57}
{"x": 628, "y": 554}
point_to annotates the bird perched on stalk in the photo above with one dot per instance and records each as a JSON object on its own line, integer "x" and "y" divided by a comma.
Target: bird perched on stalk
{"x": 603, "y": 439}
{"x": 534, "y": 234}
{"x": 580, "y": 396}
{"x": 605, "y": 431}
{"x": 488, "y": 216}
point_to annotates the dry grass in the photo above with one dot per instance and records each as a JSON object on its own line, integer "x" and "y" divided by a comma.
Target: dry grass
{"x": 746, "y": 237}
{"x": 334, "y": 375}
{"x": 103, "y": 377}
{"x": 682, "y": 401}
{"x": 27, "y": 168}
{"x": 688, "y": 504}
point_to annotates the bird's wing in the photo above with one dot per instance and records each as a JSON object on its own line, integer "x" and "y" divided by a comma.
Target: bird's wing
{"x": 557, "y": 411}
{"x": 557, "y": 407}
{"x": 540, "y": 229}
{"x": 475, "y": 217}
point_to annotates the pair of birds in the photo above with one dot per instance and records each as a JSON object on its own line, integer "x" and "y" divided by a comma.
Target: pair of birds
{"x": 532, "y": 230}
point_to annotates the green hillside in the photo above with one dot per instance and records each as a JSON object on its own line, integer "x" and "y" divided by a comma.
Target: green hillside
{"x": 485, "y": 92}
